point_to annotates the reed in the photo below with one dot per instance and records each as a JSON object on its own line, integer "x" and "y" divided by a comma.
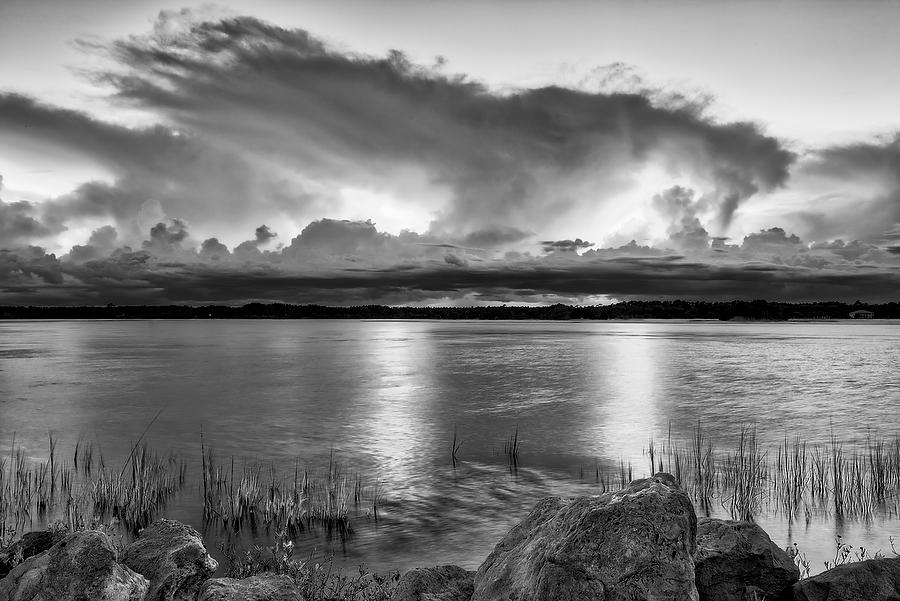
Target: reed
{"x": 454, "y": 447}
{"x": 511, "y": 448}
{"x": 32, "y": 494}
{"x": 795, "y": 479}
{"x": 259, "y": 494}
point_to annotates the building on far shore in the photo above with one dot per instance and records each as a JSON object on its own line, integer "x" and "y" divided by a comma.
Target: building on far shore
{"x": 862, "y": 314}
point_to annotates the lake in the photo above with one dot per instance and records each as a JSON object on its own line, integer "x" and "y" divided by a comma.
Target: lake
{"x": 384, "y": 398}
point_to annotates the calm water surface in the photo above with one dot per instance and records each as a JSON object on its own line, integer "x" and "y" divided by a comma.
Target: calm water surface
{"x": 385, "y": 397}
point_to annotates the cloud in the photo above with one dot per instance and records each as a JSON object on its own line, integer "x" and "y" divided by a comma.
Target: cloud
{"x": 188, "y": 176}
{"x": 167, "y": 239}
{"x": 20, "y": 222}
{"x": 213, "y": 250}
{"x": 514, "y": 160}
{"x": 262, "y": 124}
{"x": 264, "y": 234}
{"x": 565, "y": 245}
{"x": 494, "y": 236}
{"x": 101, "y": 244}
{"x": 345, "y": 262}
{"x": 860, "y": 196}
{"x": 772, "y": 240}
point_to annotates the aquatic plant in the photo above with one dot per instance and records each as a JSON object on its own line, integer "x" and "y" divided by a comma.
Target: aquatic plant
{"x": 316, "y": 580}
{"x": 795, "y": 479}
{"x": 511, "y": 448}
{"x": 259, "y": 494}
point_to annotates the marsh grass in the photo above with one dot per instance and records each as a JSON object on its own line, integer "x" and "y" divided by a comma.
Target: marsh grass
{"x": 255, "y": 494}
{"x": 857, "y": 479}
{"x": 454, "y": 448}
{"x": 33, "y": 493}
{"x": 511, "y": 449}
{"x": 795, "y": 479}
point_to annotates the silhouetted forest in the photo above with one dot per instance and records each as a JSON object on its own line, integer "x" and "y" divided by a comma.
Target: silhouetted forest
{"x": 639, "y": 309}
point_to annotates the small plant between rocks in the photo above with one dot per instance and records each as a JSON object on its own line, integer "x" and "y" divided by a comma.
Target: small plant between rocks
{"x": 317, "y": 580}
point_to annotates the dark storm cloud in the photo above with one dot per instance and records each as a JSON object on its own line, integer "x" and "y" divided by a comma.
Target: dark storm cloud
{"x": 185, "y": 174}
{"x": 167, "y": 238}
{"x": 264, "y": 234}
{"x": 866, "y": 203}
{"x": 20, "y": 222}
{"x": 28, "y": 267}
{"x": 202, "y": 282}
{"x": 494, "y": 236}
{"x": 565, "y": 245}
{"x": 367, "y": 266}
{"x": 213, "y": 249}
{"x": 101, "y": 243}
{"x": 526, "y": 157}
{"x": 270, "y": 125}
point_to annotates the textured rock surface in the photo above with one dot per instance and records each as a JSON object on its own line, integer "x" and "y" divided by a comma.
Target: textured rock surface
{"x": 637, "y": 543}
{"x": 872, "y": 580}
{"x": 29, "y": 545}
{"x": 172, "y": 557}
{"x": 83, "y": 567}
{"x": 267, "y": 587}
{"x": 736, "y": 560}
{"x": 440, "y": 583}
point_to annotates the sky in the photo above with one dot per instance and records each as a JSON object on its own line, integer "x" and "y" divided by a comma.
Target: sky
{"x": 438, "y": 152}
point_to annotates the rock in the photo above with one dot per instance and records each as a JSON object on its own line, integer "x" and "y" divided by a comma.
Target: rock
{"x": 29, "y": 545}
{"x": 440, "y": 583}
{"x": 82, "y": 567}
{"x": 265, "y": 587}
{"x": 172, "y": 556}
{"x": 870, "y": 580}
{"x": 736, "y": 560}
{"x": 637, "y": 543}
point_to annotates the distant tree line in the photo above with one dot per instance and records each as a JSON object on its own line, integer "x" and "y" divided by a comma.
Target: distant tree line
{"x": 636, "y": 309}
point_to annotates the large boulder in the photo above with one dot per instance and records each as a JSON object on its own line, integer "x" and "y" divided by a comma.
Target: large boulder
{"x": 737, "y": 561}
{"x": 29, "y": 545}
{"x": 871, "y": 580}
{"x": 83, "y": 567}
{"x": 172, "y": 556}
{"x": 637, "y": 543}
{"x": 264, "y": 587}
{"x": 440, "y": 583}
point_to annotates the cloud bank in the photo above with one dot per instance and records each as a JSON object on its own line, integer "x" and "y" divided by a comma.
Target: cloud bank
{"x": 259, "y": 124}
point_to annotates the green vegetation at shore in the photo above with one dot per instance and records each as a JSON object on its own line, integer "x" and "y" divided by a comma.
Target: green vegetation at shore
{"x": 637, "y": 309}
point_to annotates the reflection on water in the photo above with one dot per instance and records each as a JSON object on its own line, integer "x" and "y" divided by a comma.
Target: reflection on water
{"x": 385, "y": 397}
{"x": 629, "y": 413}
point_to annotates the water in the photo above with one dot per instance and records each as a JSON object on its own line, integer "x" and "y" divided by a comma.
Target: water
{"x": 384, "y": 397}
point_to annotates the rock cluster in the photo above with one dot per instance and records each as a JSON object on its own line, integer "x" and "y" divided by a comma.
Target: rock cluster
{"x": 641, "y": 543}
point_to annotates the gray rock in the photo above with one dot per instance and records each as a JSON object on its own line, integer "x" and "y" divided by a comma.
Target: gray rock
{"x": 637, "y": 543}
{"x": 871, "y": 580}
{"x": 172, "y": 556}
{"x": 737, "y": 560}
{"x": 83, "y": 567}
{"x": 440, "y": 583}
{"x": 29, "y": 545}
{"x": 265, "y": 587}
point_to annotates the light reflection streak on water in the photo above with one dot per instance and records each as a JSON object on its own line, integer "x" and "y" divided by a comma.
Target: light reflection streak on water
{"x": 626, "y": 418}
